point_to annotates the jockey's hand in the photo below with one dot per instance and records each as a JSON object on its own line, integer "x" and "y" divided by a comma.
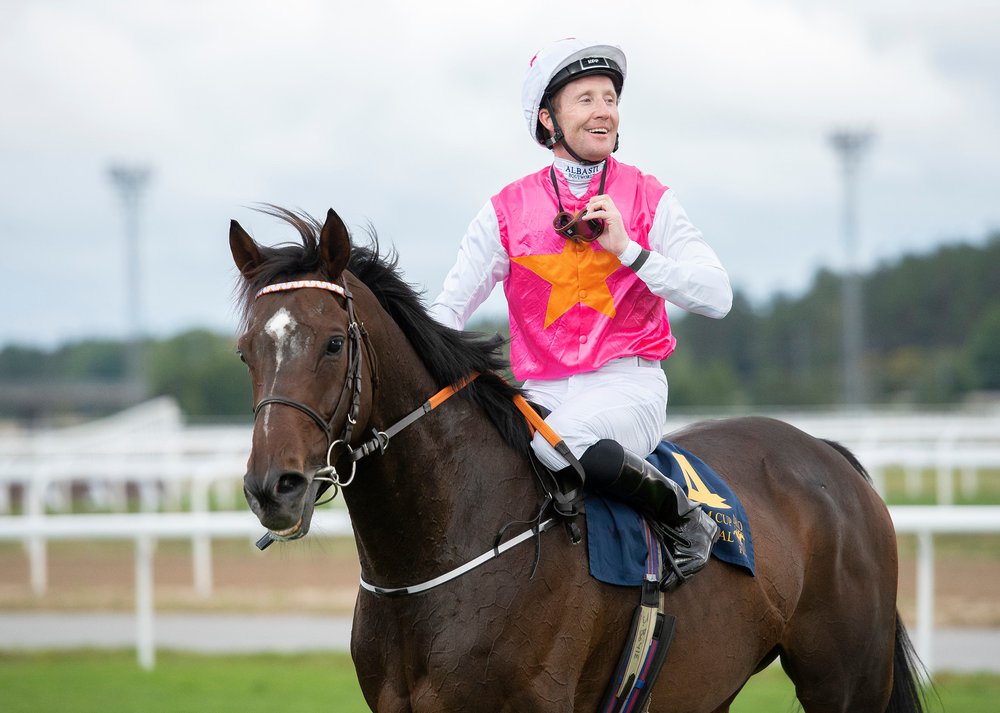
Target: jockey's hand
{"x": 614, "y": 239}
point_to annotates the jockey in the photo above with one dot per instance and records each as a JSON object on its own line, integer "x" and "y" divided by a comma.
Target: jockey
{"x": 588, "y": 250}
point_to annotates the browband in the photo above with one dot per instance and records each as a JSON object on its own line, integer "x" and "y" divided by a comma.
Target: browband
{"x": 298, "y": 284}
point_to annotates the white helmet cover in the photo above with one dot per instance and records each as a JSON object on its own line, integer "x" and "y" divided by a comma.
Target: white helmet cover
{"x": 549, "y": 61}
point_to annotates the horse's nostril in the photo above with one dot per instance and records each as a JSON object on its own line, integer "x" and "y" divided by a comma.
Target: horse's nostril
{"x": 289, "y": 483}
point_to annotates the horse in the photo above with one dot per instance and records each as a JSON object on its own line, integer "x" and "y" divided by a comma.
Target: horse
{"x": 339, "y": 346}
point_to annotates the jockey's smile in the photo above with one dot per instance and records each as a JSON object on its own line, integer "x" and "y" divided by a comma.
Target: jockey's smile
{"x": 587, "y": 112}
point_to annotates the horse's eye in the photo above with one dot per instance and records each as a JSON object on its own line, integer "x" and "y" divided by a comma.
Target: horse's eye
{"x": 334, "y": 345}
{"x": 241, "y": 355}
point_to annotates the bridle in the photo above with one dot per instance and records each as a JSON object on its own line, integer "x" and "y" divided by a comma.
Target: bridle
{"x": 350, "y": 395}
{"x": 358, "y": 338}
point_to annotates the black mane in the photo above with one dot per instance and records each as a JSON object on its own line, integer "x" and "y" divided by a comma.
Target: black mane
{"x": 449, "y": 355}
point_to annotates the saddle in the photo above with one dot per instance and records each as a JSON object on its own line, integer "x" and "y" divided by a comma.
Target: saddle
{"x": 625, "y": 549}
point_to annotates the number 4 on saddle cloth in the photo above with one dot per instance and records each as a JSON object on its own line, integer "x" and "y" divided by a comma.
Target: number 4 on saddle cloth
{"x": 616, "y": 538}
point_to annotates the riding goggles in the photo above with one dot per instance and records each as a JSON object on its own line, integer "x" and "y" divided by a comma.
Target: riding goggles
{"x": 573, "y": 226}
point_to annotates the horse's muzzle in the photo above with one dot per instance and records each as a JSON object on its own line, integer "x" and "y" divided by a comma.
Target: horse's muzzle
{"x": 280, "y": 501}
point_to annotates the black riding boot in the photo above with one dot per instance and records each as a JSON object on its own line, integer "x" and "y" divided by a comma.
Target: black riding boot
{"x": 611, "y": 469}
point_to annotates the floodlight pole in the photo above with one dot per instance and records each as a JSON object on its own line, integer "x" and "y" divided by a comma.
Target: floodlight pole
{"x": 850, "y": 146}
{"x": 130, "y": 182}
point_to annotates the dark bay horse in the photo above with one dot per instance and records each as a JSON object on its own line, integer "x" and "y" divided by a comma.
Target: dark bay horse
{"x": 335, "y": 362}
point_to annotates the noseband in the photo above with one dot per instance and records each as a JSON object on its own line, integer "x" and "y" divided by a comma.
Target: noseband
{"x": 356, "y": 334}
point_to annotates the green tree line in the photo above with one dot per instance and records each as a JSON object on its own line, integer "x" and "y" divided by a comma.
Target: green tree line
{"x": 932, "y": 336}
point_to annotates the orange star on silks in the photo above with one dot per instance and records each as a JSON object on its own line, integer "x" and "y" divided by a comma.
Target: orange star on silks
{"x": 578, "y": 275}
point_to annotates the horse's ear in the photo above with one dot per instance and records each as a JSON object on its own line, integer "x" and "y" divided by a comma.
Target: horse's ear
{"x": 334, "y": 245}
{"x": 244, "y": 249}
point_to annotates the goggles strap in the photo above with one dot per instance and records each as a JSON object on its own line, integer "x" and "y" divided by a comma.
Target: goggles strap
{"x": 555, "y": 187}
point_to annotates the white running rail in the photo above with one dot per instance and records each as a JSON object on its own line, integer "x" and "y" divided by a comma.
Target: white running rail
{"x": 145, "y": 528}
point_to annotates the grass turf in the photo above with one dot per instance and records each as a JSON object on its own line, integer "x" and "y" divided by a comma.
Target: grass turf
{"x": 111, "y": 682}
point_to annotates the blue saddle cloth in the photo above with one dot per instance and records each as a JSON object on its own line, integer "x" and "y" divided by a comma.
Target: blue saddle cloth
{"x": 615, "y": 537}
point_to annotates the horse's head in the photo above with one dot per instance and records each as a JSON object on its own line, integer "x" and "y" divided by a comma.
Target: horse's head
{"x": 303, "y": 349}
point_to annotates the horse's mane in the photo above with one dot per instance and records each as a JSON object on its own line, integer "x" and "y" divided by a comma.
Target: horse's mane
{"x": 448, "y": 354}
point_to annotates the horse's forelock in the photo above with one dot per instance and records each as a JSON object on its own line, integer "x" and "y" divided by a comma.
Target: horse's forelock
{"x": 285, "y": 261}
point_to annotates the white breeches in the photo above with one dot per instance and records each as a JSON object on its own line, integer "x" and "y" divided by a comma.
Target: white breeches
{"x": 625, "y": 400}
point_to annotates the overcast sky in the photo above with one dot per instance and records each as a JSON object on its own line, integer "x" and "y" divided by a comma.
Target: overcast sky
{"x": 407, "y": 115}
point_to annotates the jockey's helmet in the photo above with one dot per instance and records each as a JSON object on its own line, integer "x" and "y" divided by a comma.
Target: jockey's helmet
{"x": 559, "y": 63}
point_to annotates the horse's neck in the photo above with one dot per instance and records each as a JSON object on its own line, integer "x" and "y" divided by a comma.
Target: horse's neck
{"x": 441, "y": 490}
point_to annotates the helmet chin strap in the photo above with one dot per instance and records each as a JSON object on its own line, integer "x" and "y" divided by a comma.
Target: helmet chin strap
{"x": 557, "y": 136}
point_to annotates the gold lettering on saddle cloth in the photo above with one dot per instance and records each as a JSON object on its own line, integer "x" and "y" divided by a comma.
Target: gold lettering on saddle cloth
{"x": 730, "y": 529}
{"x": 741, "y": 539}
{"x": 697, "y": 490}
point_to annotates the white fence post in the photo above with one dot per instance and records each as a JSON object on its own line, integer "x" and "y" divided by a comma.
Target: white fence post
{"x": 144, "y": 631}
{"x": 201, "y": 544}
{"x": 201, "y": 558}
{"x": 925, "y": 598}
{"x": 37, "y": 547}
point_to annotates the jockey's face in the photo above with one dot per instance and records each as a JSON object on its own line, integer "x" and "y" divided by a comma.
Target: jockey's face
{"x": 587, "y": 111}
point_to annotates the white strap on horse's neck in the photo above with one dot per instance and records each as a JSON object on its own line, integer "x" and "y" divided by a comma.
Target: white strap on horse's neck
{"x": 458, "y": 571}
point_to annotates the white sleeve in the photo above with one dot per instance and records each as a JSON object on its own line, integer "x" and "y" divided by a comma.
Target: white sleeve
{"x": 482, "y": 262}
{"x": 681, "y": 267}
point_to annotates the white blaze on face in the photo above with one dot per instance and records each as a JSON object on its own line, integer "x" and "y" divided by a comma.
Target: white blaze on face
{"x": 281, "y": 328}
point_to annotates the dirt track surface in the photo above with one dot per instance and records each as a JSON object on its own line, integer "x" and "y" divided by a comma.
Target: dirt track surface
{"x": 321, "y": 576}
